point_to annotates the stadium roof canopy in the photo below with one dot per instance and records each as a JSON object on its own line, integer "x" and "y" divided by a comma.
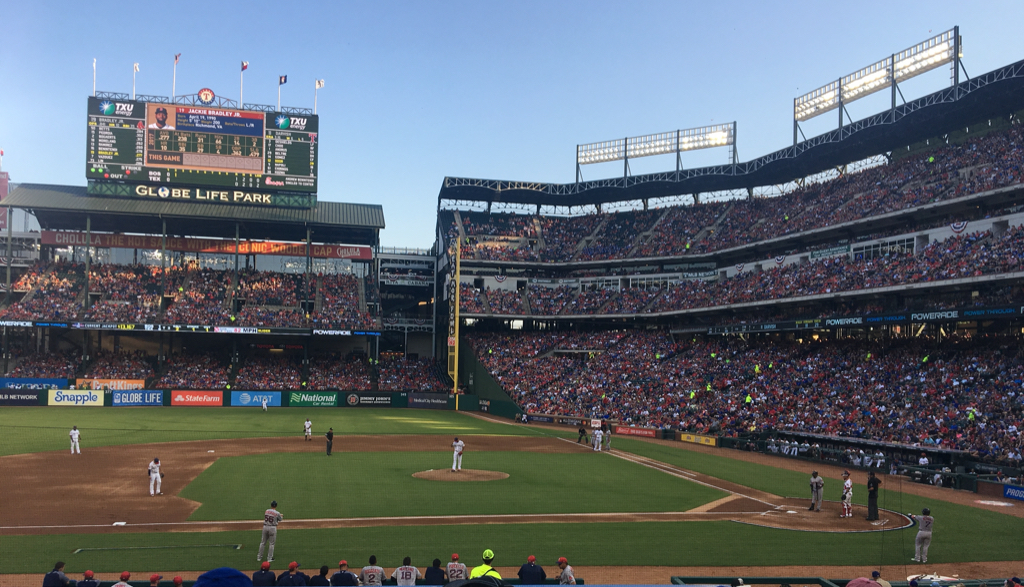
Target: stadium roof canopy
{"x": 994, "y": 94}
{"x": 59, "y": 207}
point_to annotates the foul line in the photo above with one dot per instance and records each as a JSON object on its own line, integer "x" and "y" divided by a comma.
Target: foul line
{"x": 234, "y": 546}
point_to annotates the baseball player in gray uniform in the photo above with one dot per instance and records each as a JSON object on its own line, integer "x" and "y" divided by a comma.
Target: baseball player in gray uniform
{"x": 155, "y": 477}
{"x": 271, "y": 518}
{"x": 924, "y": 535}
{"x": 817, "y": 487}
{"x": 75, "y": 435}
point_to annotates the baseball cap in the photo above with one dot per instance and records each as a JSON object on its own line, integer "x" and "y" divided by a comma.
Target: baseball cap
{"x": 162, "y": 109}
{"x": 913, "y": 583}
{"x": 293, "y": 565}
{"x": 88, "y": 574}
{"x": 343, "y": 562}
{"x": 488, "y": 554}
{"x": 125, "y": 576}
{"x": 876, "y": 574}
{"x": 846, "y": 473}
{"x": 155, "y": 578}
{"x": 531, "y": 559}
{"x": 455, "y": 556}
{"x": 178, "y": 580}
{"x": 265, "y": 565}
{"x": 562, "y": 559}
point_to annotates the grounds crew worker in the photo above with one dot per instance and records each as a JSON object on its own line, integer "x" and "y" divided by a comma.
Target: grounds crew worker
{"x": 485, "y": 570}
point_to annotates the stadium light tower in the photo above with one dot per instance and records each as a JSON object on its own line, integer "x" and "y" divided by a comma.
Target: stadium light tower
{"x": 663, "y": 143}
{"x": 887, "y": 73}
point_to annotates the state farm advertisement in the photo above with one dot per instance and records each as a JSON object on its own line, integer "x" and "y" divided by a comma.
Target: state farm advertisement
{"x": 108, "y": 240}
{"x": 188, "y": 397}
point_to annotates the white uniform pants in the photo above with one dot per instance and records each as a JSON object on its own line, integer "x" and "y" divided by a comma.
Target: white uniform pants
{"x": 74, "y": 447}
{"x": 154, "y": 478}
{"x": 269, "y": 535}
{"x": 921, "y": 544}
{"x": 457, "y": 461}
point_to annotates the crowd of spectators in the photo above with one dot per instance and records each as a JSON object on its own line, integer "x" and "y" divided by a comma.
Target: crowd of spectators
{"x": 402, "y": 374}
{"x": 202, "y": 300}
{"x": 268, "y": 288}
{"x": 262, "y": 373}
{"x": 549, "y": 301}
{"x": 336, "y": 372}
{"x": 340, "y": 306}
{"x": 47, "y": 365}
{"x": 911, "y": 390}
{"x": 53, "y": 295}
{"x": 131, "y": 293}
{"x": 471, "y": 299}
{"x": 619, "y": 234}
{"x": 563, "y": 234}
{"x": 590, "y": 302}
{"x": 120, "y": 365}
{"x": 252, "y": 315}
{"x": 505, "y": 302}
{"x": 193, "y": 371}
{"x": 679, "y": 228}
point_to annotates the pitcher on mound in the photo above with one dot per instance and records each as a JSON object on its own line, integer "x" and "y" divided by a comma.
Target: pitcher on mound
{"x": 458, "y": 446}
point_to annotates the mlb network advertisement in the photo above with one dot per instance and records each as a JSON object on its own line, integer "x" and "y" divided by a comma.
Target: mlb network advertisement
{"x": 254, "y": 399}
{"x": 201, "y": 145}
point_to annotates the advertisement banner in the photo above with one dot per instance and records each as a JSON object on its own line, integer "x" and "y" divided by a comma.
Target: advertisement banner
{"x": 144, "y": 397}
{"x": 697, "y": 438}
{"x": 31, "y": 383}
{"x": 432, "y": 401}
{"x": 316, "y": 399}
{"x": 111, "y": 384}
{"x": 189, "y": 397}
{"x": 84, "y": 397}
{"x": 205, "y": 245}
{"x": 1013, "y": 492}
{"x": 19, "y": 398}
{"x": 630, "y": 431}
{"x": 571, "y": 421}
{"x": 368, "y": 399}
{"x": 254, "y": 399}
{"x": 532, "y": 418}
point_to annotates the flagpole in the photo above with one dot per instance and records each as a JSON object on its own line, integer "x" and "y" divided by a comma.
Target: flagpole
{"x": 278, "y": 96}
{"x": 241, "y": 74}
{"x": 174, "y": 79}
{"x": 94, "y": 77}
{"x": 316, "y": 88}
{"x": 134, "y": 71}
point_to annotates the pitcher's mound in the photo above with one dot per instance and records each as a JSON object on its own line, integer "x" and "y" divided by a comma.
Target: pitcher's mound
{"x": 463, "y": 475}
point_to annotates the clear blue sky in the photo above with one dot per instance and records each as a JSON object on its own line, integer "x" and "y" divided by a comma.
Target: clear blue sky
{"x": 418, "y": 90}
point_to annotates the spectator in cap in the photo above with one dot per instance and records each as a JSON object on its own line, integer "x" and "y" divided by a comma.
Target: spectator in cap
{"x": 89, "y": 580}
{"x": 321, "y": 579}
{"x": 531, "y": 573}
{"x": 224, "y": 577}
{"x": 264, "y": 576}
{"x": 435, "y": 575}
{"x": 457, "y": 571}
{"x": 566, "y": 577}
{"x": 124, "y": 580}
{"x": 177, "y": 581}
{"x": 293, "y": 576}
{"x": 56, "y": 577}
{"x": 876, "y": 576}
{"x": 154, "y": 580}
{"x": 485, "y": 570}
{"x": 344, "y": 576}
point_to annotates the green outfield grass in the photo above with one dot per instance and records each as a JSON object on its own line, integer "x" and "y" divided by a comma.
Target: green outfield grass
{"x": 381, "y": 484}
{"x": 37, "y": 429}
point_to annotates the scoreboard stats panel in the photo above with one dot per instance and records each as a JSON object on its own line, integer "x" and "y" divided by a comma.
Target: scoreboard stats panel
{"x": 150, "y": 142}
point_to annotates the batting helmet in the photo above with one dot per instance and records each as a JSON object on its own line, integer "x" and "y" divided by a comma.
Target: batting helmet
{"x": 926, "y": 512}
{"x": 273, "y": 504}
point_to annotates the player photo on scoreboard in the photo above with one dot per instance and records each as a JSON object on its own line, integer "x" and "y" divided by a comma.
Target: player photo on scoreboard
{"x": 160, "y": 116}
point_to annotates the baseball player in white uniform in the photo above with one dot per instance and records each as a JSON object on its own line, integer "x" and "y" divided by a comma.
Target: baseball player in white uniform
{"x": 75, "y": 435}
{"x": 847, "y": 496}
{"x": 458, "y": 446}
{"x": 264, "y": 404}
{"x": 456, "y": 570}
{"x": 271, "y": 518}
{"x": 154, "y": 478}
{"x": 308, "y": 426}
{"x": 406, "y": 575}
{"x": 924, "y": 535}
{"x": 598, "y": 434}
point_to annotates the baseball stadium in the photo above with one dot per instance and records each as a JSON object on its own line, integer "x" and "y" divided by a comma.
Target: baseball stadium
{"x": 783, "y": 370}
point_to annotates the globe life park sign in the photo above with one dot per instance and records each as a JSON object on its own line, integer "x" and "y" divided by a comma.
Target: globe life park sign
{"x": 229, "y": 196}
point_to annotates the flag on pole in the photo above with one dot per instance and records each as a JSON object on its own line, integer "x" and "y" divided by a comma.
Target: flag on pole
{"x": 136, "y": 67}
{"x": 319, "y": 83}
{"x": 282, "y": 80}
{"x": 245, "y": 65}
{"x": 177, "y": 56}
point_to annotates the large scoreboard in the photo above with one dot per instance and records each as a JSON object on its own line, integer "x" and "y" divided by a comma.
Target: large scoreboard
{"x": 175, "y": 144}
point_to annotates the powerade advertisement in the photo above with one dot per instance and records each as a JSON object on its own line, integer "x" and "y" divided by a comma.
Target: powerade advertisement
{"x": 82, "y": 397}
{"x": 254, "y": 399}
{"x": 1013, "y": 492}
{"x": 29, "y": 383}
{"x": 142, "y": 397}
